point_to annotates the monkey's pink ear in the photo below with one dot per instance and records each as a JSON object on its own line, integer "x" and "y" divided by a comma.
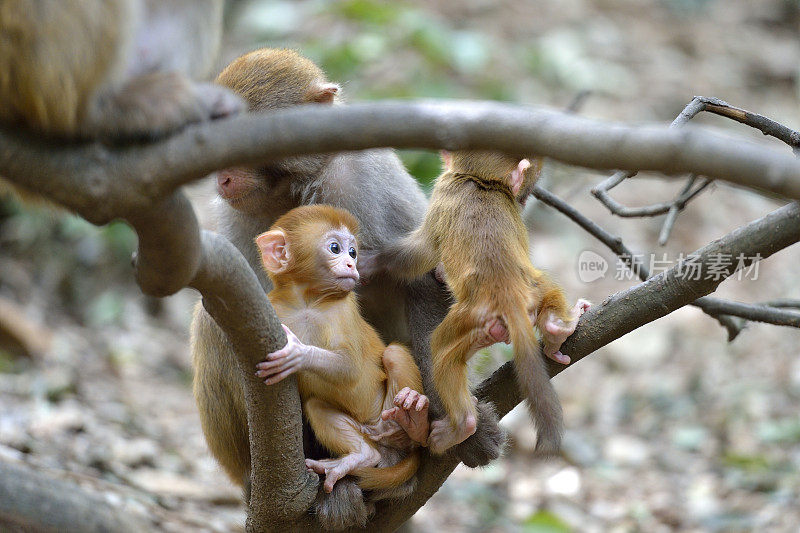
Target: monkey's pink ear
{"x": 274, "y": 251}
{"x": 447, "y": 158}
{"x": 518, "y": 176}
{"x": 325, "y": 93}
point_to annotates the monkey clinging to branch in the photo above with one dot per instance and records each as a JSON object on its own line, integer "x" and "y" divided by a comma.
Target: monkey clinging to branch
{"x": 473, "y": 226}
{"x": 349, "y": 380}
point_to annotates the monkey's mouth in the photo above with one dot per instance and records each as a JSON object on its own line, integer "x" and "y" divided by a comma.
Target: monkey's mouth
{"x": 347, "y": 282}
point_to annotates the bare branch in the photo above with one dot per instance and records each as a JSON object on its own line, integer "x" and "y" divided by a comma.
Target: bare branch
{"x": 678, "y": 204}
{"x": 133, "y": 176}
{"x": 719, "y": 309}
{"x": 754, "y": 120}
{"x": 672, "y": 208}
{"x": 755, "y": 312}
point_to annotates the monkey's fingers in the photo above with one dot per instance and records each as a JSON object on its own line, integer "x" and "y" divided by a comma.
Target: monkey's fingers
{"x": 275, "y": 360}
{"x": 422, "y": 403}
{"x": 273, "y": 376}
{"x": 400, "y": 397}
{"x": 389, "y": 413}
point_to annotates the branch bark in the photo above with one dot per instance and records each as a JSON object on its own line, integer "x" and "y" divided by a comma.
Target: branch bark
{"x": 132, "y": 176}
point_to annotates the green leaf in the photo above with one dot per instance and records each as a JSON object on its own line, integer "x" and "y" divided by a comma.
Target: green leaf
{"x": 545, "y": 522}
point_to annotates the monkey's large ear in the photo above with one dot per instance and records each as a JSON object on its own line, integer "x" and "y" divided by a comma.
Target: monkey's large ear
{"x": 274, "y": 251}
{"x": 518, "y": 176}
{"x": 324, "y": 93}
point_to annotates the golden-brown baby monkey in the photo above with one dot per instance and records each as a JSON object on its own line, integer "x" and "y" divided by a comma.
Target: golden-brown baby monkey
{"x": 474, "y": 227}
{"x": 357, "y": 393}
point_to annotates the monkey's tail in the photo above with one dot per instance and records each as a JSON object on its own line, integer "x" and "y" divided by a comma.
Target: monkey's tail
{"x": 534, "y": 382}
{"x": 388, "y": 477}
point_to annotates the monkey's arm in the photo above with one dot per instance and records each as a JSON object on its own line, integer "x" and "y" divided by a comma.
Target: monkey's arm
{"x": 408, "y": 258}
{"x": 332, "y": 366}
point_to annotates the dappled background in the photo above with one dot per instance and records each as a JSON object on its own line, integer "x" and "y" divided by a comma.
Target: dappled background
{"x": 668, "y": 428}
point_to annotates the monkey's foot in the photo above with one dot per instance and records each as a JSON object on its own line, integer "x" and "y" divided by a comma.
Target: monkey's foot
{"x": 486, "y": 444}
{"x": 556, "y": 331}
{"x": 411, "y": 413}
{"x": 156, "y": 104}
{"x": 444, "y": 435}
{"x": 336, "y": 469}
{"x": 387, "y": 433}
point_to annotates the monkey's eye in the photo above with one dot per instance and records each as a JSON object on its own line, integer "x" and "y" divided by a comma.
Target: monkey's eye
{"x": 334, "y": 247}
{"x": 352, "y": 252}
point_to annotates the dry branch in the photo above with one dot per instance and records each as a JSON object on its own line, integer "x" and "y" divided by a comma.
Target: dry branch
{"x": 672, "y": 208}
{"x": 133, "y": 176}
{"x": 632, "y": 261}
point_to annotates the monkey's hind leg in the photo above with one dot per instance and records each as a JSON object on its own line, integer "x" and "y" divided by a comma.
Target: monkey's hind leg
{"x": 452, "y": 344}
{"x": 341, "y": 434}
{"x": 156, "y": 104}
{"x": 404, "y": 403}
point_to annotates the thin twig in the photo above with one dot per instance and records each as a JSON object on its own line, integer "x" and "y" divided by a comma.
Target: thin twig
{"x": 754, "y": 120}
{"x": 678, "y": 204}
{"x": 674, "y": 207}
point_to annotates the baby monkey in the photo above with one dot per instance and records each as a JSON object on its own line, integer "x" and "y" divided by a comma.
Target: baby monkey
{"x": 359, "y": 395}
{"x": 474, "y": 227}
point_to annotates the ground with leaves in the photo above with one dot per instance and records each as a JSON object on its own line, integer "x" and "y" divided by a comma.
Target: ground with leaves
{"x": 668, "y": 428}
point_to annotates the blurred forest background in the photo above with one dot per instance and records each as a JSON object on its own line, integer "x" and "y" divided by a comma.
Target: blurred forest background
{"x": 669, "y": 428}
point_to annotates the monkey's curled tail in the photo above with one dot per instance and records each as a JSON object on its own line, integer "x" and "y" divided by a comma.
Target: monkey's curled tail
{"x": 534, "y": 382}
{"x": 388, "y": 477}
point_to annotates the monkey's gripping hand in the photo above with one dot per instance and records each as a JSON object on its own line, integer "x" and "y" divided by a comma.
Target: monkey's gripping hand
{"x": 286, "y": 361}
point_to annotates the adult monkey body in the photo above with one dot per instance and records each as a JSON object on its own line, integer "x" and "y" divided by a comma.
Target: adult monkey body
{"x": 386, "y": 201}
{"x": 109, "y": 69}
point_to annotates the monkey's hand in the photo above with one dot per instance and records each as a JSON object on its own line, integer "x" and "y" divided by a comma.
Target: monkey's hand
{"x": 556, "y": 331}
{"x": 286, "y": 361}
{"x": 410, "y": 411}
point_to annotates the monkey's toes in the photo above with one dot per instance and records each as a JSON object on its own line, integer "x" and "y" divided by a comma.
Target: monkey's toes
{"x": 218, "y": 101}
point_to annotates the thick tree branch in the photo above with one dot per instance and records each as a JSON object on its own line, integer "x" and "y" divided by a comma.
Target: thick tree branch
{"x": 133, "y": 176}
{"x": 282, "y": 489}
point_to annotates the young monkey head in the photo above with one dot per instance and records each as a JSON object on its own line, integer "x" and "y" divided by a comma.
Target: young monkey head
{"x": 312, "y": 246}
{"x": 519, "y": 174}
